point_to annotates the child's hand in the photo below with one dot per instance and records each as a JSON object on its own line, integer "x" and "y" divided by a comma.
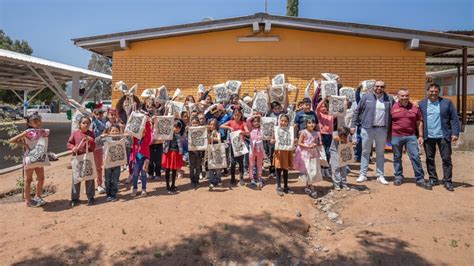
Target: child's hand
{"x": 75, "y": 149}
{"x": 272, "y": 141}
{"x": 145, "y": 165}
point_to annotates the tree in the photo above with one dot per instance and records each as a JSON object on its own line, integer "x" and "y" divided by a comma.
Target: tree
{"x": 18, "y": 46}
{"x": 102, "y": 64}
{"x": 292, "y": 8}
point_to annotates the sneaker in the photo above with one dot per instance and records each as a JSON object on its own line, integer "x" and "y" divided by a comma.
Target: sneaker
{"x": 308, "y": 191}
{"x": 108, "y": 199}
{"x": 134, "y": 193}
{"x": 345, "y": 186}
{"x": 288, "y": 191}
{"x": 382, "y": 180}
{"x": 152, "y": 177}
{"x": 242, "y": 182}
{"x": 314, "y": 195}
{"x": 211, "y": 187}
{"x": 73, "y": 203}
{"x": 271, "y": 175}
{"x": 113, "y": 199}
{"x": 362, "y": 178}
{"x": 143, "y": 193}
{"x": 280, "y": 192}
{"x": 337, "y": 187}
{"x": 39, "y": 201}
{"x": 90, "y": 202}
{"x": 129, "y": 179}
{"x": 100, "y": 189}
{"x": 32, "y": 203}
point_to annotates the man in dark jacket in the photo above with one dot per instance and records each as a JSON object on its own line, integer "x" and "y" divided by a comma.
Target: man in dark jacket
{"x": 373, "y": 116}
{"x": 440, "y": 128}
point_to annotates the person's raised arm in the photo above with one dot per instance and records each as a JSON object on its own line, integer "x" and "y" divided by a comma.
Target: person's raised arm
{"x": 18, "y": 138}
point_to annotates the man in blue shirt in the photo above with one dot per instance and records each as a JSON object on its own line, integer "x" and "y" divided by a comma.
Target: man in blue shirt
{"x": 440, "y": 129}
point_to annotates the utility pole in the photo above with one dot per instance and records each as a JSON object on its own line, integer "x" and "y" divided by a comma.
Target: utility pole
{"x": 266, "y": 6}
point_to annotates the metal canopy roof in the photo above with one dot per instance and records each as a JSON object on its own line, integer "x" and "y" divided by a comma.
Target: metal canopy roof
{"x": 430, "y": 42}
{"x": 24, "y": 72}
{"x": 451, "y": 57}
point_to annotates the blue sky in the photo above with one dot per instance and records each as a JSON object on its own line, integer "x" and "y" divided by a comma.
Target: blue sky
{"x": 48, "y": 25}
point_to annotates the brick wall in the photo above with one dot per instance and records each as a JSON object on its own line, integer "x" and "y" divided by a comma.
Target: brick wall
{"x": 186, "y": 72}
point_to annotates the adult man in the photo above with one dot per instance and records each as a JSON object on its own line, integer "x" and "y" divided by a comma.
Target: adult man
{"x": 373, "y": 116}
{"x": 406, "y": 120}
{"x": 441, "y": 127}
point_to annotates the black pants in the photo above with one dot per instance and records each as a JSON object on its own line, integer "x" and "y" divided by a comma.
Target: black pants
{"x": 444, "y": 147}
{"x": 195, "y": 165}
{"x": 156, "y": 154}
{"x": 234, "y": 161}
{"x": 173, "y": 178}
{"x": 279, "y": 172}
{"x": 269, "y": 149}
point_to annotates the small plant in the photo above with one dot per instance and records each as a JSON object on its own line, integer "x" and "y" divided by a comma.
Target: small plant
{"x": 157, "y": 254}
{"x": 454, "y": 243}
{"x": 20, "y": 185}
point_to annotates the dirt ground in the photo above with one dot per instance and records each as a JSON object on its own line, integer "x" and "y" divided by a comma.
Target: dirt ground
{"x": 375, "y": 224}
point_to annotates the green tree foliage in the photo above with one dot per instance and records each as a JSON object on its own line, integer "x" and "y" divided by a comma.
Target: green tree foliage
{"x": 18, "y": 46}
{"x": 292, "y": 8}
{"x": 102, "y": 64}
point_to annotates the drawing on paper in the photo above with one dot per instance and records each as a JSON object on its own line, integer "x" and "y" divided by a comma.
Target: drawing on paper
{"x": 163, "y": 128}
{"x": 197, "y": 138}
{"x": 368, "y": 85}
{"x": 277, "y": 94}
{"x": 135, "y": 123}
{"x": 330, "y": 76}
{"x": 246, "y": 110}
{"x": 328, "y": 88}
{"x": 337, "y": 105}
{"x": 233, "y": 86}
{"x": 116, "y": 153}
{"x": 84, "y": 168}
{"x": 278, "y": 80}
{"x": 348, "y": 92}
{"x": 345, "y": 153}
{"x": 268, "y": 124}
{"x": 221, "y": 92}
{"x": 260, "y": 103}
{"x": 284, "y": 138}
{"x": 37, "y": 154}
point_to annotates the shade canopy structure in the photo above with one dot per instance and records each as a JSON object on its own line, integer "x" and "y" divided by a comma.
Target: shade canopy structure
{"x": 22, "y": 73}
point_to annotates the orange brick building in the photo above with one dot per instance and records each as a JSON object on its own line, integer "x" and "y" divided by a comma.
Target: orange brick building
{"x": 255, "y": 48}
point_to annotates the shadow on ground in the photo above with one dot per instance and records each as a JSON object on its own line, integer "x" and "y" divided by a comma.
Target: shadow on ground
{"x": 250, "y": 239}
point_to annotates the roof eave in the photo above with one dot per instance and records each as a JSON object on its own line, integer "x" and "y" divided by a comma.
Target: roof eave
{"x": 425, "y": 37}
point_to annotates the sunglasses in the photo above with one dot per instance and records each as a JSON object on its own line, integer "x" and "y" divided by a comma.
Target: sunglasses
{"x": 383, "y": 86}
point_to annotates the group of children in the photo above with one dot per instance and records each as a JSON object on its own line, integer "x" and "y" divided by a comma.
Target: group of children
{"x": 149, "y": 157}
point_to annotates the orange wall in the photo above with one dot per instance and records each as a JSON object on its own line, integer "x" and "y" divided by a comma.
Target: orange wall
{"x": 213, "y": 58}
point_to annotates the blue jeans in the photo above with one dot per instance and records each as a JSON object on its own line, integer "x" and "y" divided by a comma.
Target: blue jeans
{"x": 411, "y": 144}
{"x": 214, "y": 177}
{"x": 379, "y": 134}
{"x": 111, "y": 181}
{"x": 138, "y": 170}
{"x": 358, "y": 147}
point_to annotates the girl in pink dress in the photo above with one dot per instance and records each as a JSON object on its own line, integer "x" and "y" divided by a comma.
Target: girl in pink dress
{"x": 28, "y": 139}
{"x": 307, "y": 149}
